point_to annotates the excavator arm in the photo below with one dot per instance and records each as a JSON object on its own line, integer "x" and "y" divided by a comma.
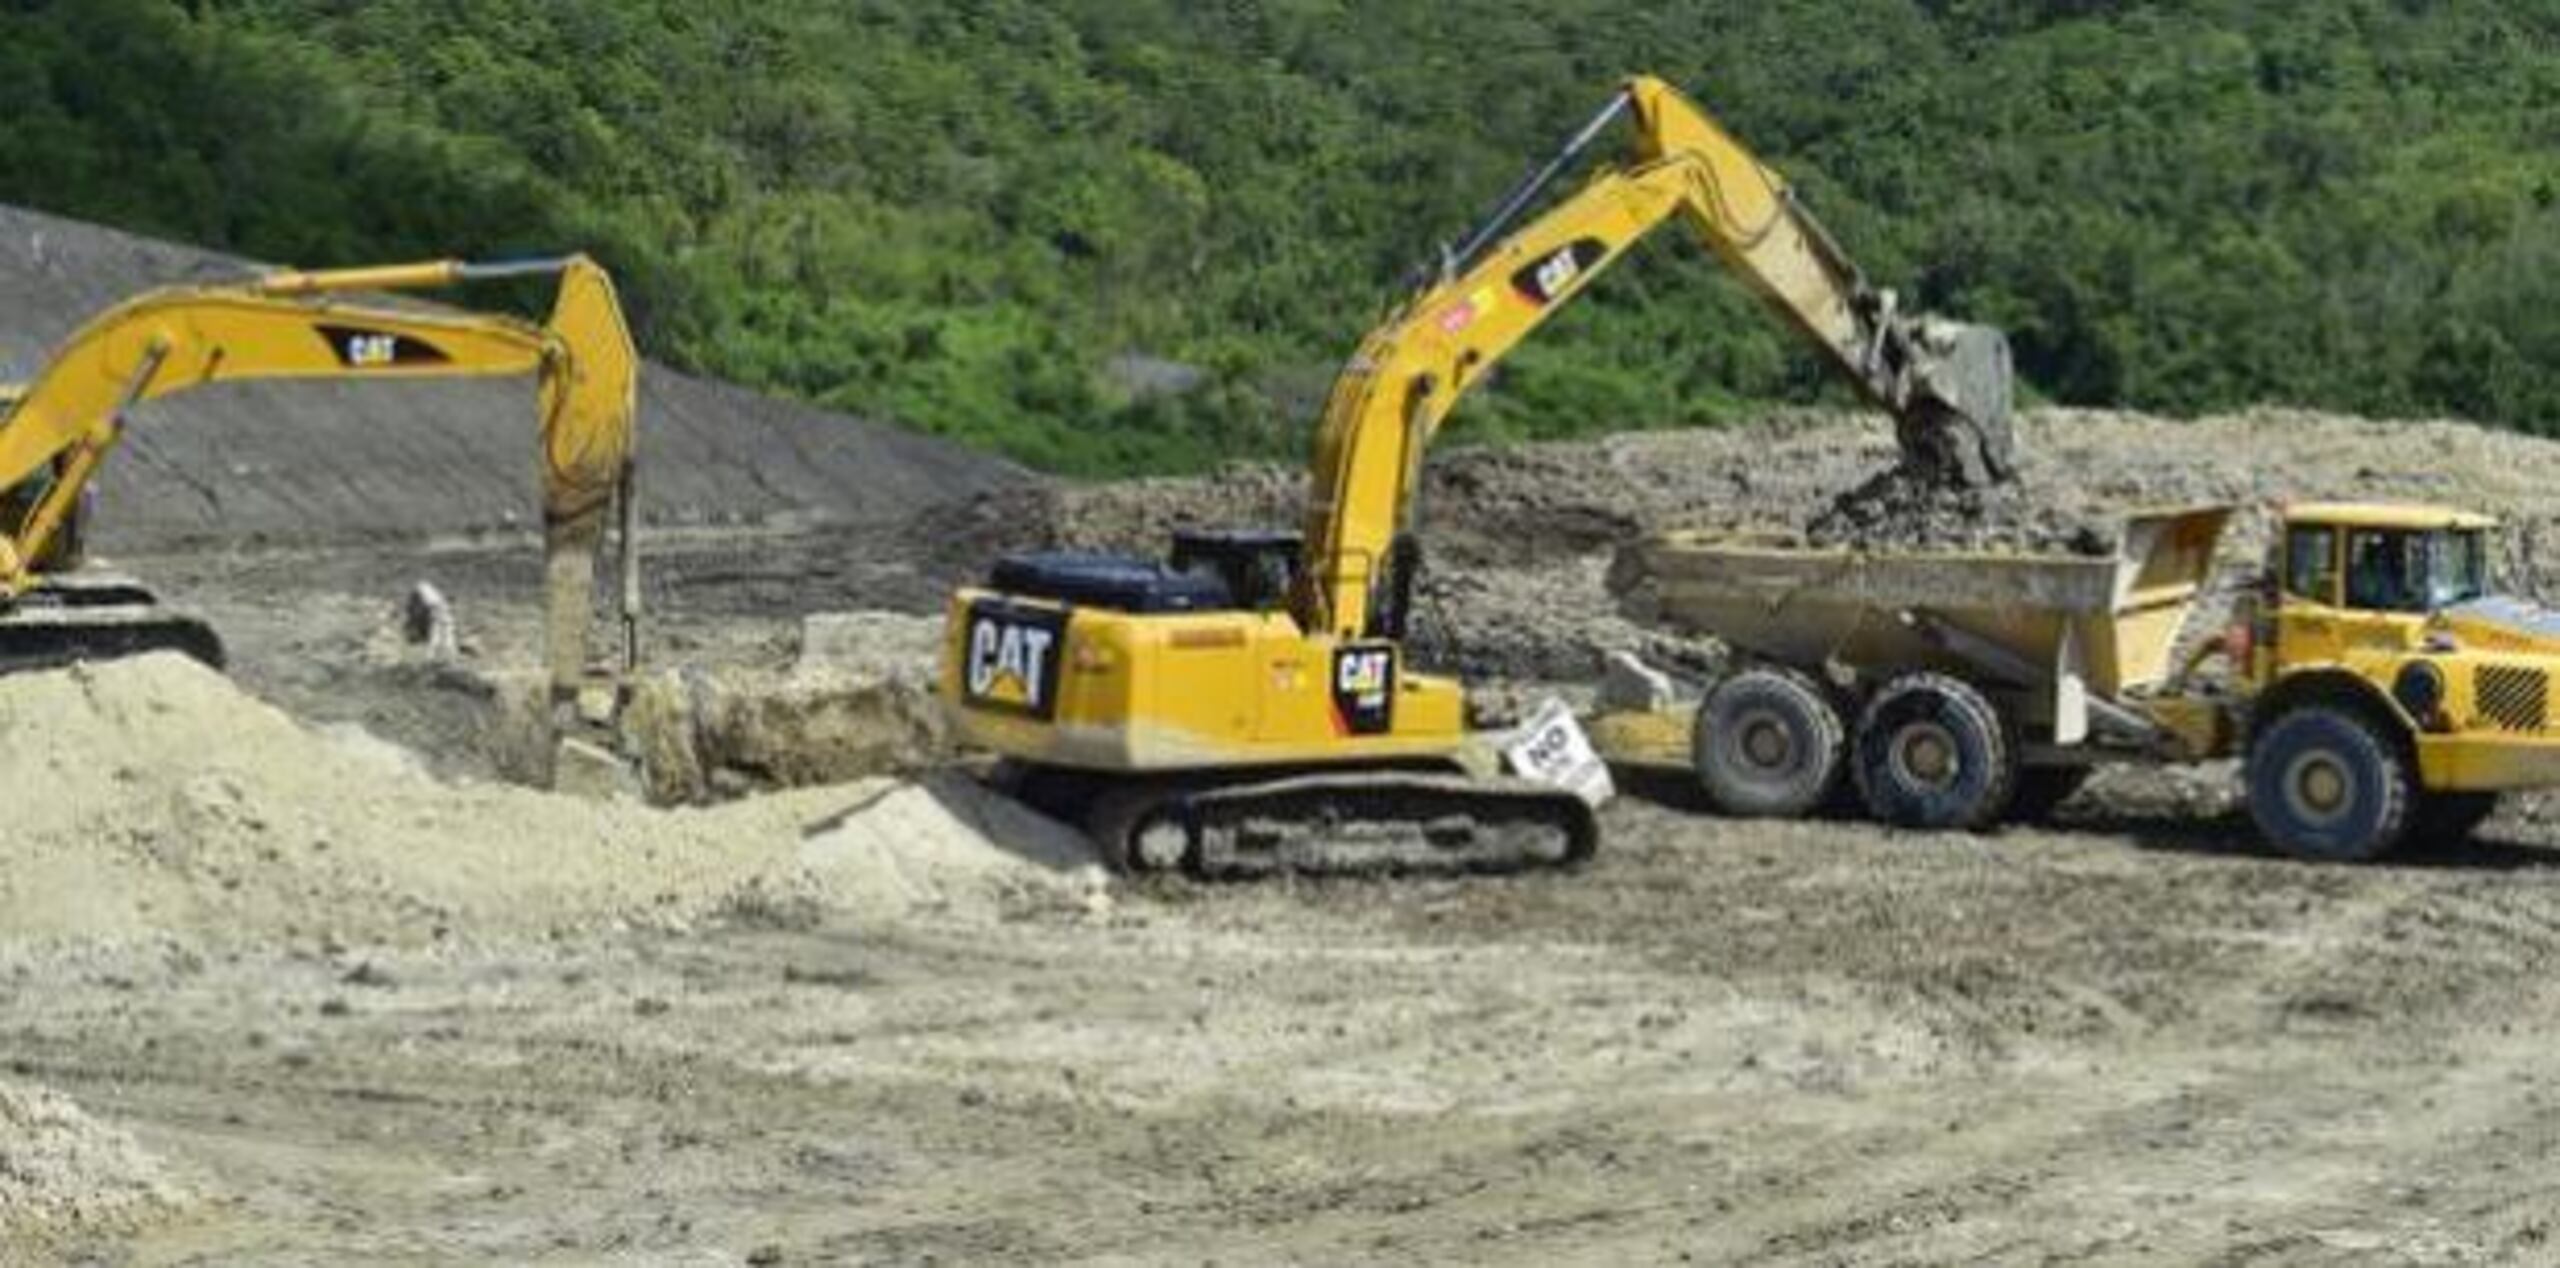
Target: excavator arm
{"x": 1946, "y": 385}
{"x": 58, "y": 429}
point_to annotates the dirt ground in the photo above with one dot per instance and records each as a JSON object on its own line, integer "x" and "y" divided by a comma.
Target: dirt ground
{"x": 2137, "y": 1040}
{"x": 485, "y": 1025}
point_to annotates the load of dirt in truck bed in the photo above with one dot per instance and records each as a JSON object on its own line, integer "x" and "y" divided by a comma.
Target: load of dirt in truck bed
{"x": 164, "y": 806}
{"x": 1897, "y": 509}
{"x": 63, "y": 1173}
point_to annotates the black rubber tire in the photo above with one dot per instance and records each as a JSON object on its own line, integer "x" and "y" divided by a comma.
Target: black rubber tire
{"x": 1786, "y": 718}
{"x": 2041, "y": 791}
{"x": 2448, "y": 819}
{"x": 2376, "y": 792}
{"x": 1980, "y": 764}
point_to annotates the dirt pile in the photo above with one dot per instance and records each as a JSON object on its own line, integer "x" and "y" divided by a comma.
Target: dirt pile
{"x": 177, "y": 810}
{"x": 858, "y": 702}
{"x": 932, "y": 847}
{"x": 1510, "y": 533}
{"x": 64, "y": 1173}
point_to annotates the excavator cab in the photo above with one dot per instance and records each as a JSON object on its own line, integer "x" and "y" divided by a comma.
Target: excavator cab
{"x": 1258, "y": 567}
{"x": 1210, "y": 570}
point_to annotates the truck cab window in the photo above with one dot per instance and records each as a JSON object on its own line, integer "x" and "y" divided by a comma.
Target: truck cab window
{"x": 2415, "y": 571}
{"x": 2311, "y": 564}
{"x": 2381, "y": 568}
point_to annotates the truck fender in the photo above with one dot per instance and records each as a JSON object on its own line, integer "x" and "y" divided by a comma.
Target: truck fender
{"x": 2334, "y": 685}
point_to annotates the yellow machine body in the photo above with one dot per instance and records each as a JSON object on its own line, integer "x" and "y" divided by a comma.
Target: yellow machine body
{"x": 1101, "y": 690}
{"x": 2469, "y": 681}
{"x": 2375, "y": 686}
{"x": 1313, "y": 674}
{"x": 58, "y": 429}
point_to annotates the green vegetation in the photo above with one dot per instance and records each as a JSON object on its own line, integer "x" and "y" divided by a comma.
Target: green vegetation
{"x": 960, "y": 212}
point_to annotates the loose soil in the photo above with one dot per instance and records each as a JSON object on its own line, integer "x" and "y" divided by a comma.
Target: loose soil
{"x": 285, "y": 979}
{"x": 772, "y": 1030}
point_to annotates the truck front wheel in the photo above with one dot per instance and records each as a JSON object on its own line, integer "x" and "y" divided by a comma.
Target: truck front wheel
{"x": 1768, "y": 744}
{"x": 1932, "y": 752}
{"x": 2326, "y": 783}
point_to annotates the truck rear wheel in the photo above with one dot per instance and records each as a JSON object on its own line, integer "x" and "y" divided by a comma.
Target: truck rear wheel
{"x": 2327, "y": 783}
{"x": 1932, "y": 752}
{"x": 1768, "y": 745}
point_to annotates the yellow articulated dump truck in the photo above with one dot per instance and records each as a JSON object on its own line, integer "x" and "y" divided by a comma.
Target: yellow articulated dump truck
{"x": 2375, "y": 689}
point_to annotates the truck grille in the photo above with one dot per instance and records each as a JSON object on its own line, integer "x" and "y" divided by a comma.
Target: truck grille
{"x": 2514, "y": 699}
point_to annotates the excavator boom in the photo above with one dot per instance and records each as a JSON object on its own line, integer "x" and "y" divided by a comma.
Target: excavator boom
{"x": 1947, "y": 385}
{"x": 58, "y": 429}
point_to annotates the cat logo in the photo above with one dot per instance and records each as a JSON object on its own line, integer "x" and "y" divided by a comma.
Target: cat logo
{"x": 1558, "y": 273}
{"x": 360, "y": 349}
{"x": 370, "y": 350}
{"x": 1554, "y": 276}
{"x": 1364, "y": 689}
{"x": 1010, "y": 659}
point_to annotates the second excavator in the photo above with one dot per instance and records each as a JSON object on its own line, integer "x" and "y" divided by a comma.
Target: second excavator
{"x": 60, "y": 427}
{"x": 1246, "y": 707}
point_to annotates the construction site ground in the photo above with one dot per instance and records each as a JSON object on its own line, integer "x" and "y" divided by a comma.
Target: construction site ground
{"x": 283, "y": 979}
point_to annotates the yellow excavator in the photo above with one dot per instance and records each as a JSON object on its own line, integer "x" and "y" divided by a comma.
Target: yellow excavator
{"x": 1246, "y": 707}
{"x": 57, "y": 429}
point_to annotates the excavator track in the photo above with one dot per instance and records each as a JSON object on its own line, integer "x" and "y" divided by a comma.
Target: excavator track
{"x": 1350, "y": 823}
{"x": 74, "y": 618}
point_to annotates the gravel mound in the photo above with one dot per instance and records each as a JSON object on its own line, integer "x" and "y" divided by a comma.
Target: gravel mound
{"x": 1511, "y": 533}
{"x": 63, "y": 1172}
{"x": 943, "y": 845}
{"x": 178, "y": 810}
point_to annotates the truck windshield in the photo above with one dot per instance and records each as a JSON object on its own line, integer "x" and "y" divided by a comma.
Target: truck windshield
{"x": 2404, "y": 570}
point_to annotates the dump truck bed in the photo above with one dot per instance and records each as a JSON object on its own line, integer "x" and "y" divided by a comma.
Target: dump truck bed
{"x": 2078, "y": 625}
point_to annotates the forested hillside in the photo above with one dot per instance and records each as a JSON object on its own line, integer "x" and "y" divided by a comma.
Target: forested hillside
{"x": 963, "y": 213}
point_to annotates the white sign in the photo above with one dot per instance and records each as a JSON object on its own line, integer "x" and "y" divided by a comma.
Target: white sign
{"x": 1551, "y": 749}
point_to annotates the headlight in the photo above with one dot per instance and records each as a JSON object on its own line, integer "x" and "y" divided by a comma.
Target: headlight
{"x": 2420, "y": 689}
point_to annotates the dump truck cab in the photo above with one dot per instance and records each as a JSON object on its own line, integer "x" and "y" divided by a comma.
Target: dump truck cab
{"x": 2357, "y": 582}
{"x": 2396, "y": 692}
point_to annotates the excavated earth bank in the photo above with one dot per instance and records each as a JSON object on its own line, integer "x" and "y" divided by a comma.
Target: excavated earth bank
{"x": 302, "y": 464}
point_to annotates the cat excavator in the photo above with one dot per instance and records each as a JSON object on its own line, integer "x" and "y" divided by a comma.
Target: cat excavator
{"x": 1247, "y": 708}
{"x": 59, "y": 428}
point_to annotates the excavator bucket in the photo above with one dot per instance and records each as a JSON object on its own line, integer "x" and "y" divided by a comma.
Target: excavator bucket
{"x": 1954, "y": 424}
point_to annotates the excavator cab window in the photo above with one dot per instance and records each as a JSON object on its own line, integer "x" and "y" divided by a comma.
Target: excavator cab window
{"x": 1259, "y": 569}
